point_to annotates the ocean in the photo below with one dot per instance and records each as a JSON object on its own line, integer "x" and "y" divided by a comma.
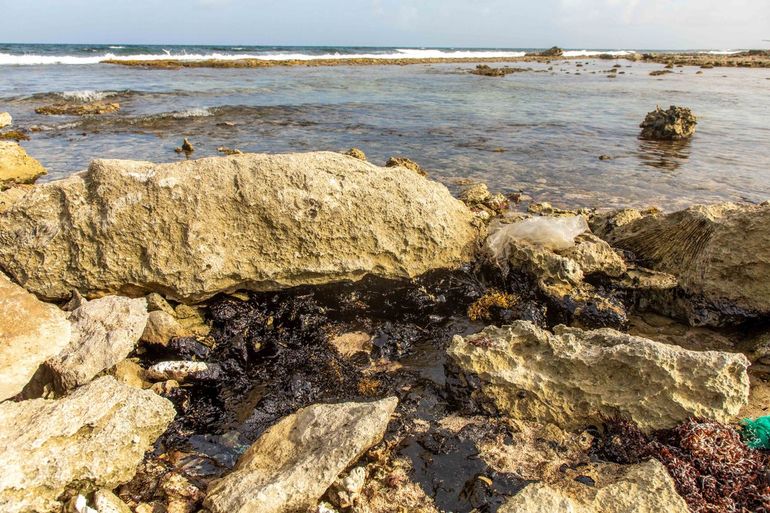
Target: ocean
{"x": 540, "y": 131}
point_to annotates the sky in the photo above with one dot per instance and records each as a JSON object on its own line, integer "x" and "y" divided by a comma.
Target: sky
{"x": 633, "y": 24}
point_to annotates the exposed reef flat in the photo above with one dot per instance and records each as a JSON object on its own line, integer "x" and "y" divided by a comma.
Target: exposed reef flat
{"x": 749, "y": 59}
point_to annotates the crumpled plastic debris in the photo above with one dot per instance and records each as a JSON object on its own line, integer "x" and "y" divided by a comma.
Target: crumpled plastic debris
{"x": 554, "y": 233}
{"x": 756, "y": 433}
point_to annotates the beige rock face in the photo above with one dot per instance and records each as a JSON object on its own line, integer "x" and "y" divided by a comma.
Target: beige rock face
{"x": 30, "y": 332}
{"x": 720, "y": 254}
{"x": 104, "y": 332}
{"x": 642, "y": 488}
{"x": 93, "y": 438}
{"x": 294, "y": 462}
{"x": 573, "y": 378}
{"x": 162, "y": 327}
{"x": 16, "y": 166}
{"x": 192, "y": 229}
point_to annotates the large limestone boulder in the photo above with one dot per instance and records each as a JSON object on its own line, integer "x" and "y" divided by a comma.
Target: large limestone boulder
{"x": 16, "y": 166}
{"x": 720, "y": 254}
{"x": 294, "y": 462}
{"x": 641, "y": 488}
{"x": 104, "y": 332}
{"x": 574, "y": 378}
{"x": 94, "y": 438}
{"x": 192, "y": 229}
{"x": 30, "y": 332}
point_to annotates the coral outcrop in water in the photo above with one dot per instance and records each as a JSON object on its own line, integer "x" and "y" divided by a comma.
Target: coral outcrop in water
{"x": 16, "y": 166}
{"x": 93, "y": 438}
{"x": 673, "y": 124}
{"x": 295, "y": 461}
{"x": 78, "y": 109}
{"x": 719, "y": 253}
{"x": 574, "y": 378}
{"x": 262, "y": 222}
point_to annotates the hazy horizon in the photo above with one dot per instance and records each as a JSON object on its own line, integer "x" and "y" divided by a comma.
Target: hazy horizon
{"x": 578, "y": 24}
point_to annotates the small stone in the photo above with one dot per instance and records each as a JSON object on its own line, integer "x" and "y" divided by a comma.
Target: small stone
{"x": 157, "y": 302}
{"x": 107, "y": 502}
{"x": 407, "y": 163}
{"x": 182, "y": 371}
{"x": 5, "y": 119}
{"x": 162, "y": 327}
{"x": 187, "y": 146}
{"x": 352, "y": 343}
{"x": 356, "y": 154}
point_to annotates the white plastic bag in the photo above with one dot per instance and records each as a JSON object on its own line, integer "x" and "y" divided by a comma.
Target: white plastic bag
{"x": 554, "y": 233}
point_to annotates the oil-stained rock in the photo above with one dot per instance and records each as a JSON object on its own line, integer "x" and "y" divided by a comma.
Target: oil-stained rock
{"x": 260, "y": 222}
{"x": 574, "y": 378}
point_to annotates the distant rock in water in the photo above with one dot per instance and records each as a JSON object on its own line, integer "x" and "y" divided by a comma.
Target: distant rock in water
{"x": 192, "y": 229}
{"x": 78, "y": 109}
{"x": 356, "y": 153}
{"x": 186, "y": 148}
{"x": 554, "y": 51}
{"x": 16, "y": 166}
{"x": 5, "y": 119}
{"x": 673, "y": 124}
{"x": 409, "y": 164}
{"x": 487, "y": 71}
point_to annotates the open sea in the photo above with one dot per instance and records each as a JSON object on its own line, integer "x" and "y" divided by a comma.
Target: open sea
{"x": 540, "y": 131}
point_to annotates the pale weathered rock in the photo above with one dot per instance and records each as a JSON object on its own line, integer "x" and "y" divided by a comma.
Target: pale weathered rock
{"x": 719, "y": 253}
{"x": 104, "y": 332}
{"x": 16, "y": 166}
{"x": 94, "y": 438}
{"x": 30, "y": 332}
{"x": 162, "y": 327}
{"x": 5, "y": 119}
{"x": 595, "y": 256}
{"x": 642, "y": 488}
{"x": 260, "y": 222}
{"x": 294, "y": 462}
{"x": 574, "y": 378}
{"x": 182, "y": 371}
{"x": 106, "y": 502}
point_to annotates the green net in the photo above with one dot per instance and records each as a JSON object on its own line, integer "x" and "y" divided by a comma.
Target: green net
{"x": 756, "y": 433}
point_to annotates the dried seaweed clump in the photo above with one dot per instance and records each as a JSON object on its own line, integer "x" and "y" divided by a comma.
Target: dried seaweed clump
{"x": 481, "y": 309}
{"x": 713, "y": 469}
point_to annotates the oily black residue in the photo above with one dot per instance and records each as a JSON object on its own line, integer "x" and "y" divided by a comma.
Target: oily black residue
{"x": 713, "y": 469}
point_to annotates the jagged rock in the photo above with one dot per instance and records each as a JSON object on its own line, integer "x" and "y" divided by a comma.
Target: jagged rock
{"x": 666, "y": 125}
{"x": 78, "y": 109}
{"x": 157, "y": 302}
{"x": 356, "y": 153}
{"x": 94, "y": 438}
{"x": 573, "y": 378}
{"x": 720, "y": 255}
{"x": 259, "y": 222}
{"x": 16, "y": 166}
{"x": 294, "y": 462}
{"x": 162, "y": 327}
{"x": 30, "y": 332}
{"x": 482, "y": 202}
{"x": 409, "y": 164}
{"x": 641, "y": 488}
{"x": 551, "y": 251}
{"x": 5, "y": 119}
{"x": 104, "y": 332}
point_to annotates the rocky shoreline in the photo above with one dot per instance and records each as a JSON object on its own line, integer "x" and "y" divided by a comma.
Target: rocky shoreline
{"x": 312, "y": 332}
{"x": 749, "y": 59}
